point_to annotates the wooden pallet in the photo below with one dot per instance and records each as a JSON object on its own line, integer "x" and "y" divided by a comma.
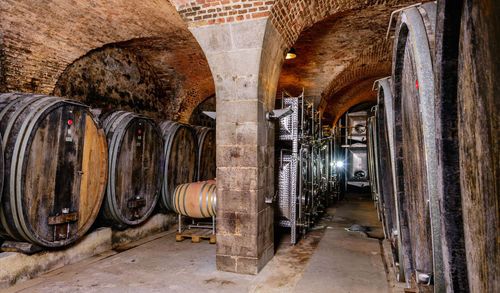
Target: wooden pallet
{"x": 196, "y": 235}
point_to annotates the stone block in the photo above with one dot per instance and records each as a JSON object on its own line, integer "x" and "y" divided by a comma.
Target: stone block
{"x": 225, "y": 88}
{"x": 238, "y": 111}
{"x": 237, "y": 156}
{"x": 265, "y": 257}
{"x": 264, "y": 177}
{"x": 236, "y": 134}
{"x": 246, "y": 87}
{"x": 265, "y": 130}
{"x": 265, "y": 235}
{"x": 226, "y": 263}
{"x": 213, "y": 38}
{"x": 241, "y": 62}
{"x": 237, "y": 223}
{"x": 236, "y": 245}
{"x": 226, "y": 222}
{"x": 238, "y": 200}
{"x": 264, "y": 156}
{"x": 264, "y": 193}
{"x": 247, "y": 265}
{"x": 248, "y": 34}
{"x": 237, "y": 178}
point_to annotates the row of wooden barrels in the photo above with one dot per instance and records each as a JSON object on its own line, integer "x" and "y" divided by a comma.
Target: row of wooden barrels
{"x": 433, "y": 150}
{"x": 64, "y": 166}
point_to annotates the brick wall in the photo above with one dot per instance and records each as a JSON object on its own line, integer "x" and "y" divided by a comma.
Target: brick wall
{"x": 207, "y": 12}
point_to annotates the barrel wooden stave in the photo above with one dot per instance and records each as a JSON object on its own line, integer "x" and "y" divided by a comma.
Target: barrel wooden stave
{"x": 196, "y": 200}
{"x": 134, "y": 179}
{"x": 181, "y": 159}
{"x": 48, "y": 142}
{"x": 479, "y": 141}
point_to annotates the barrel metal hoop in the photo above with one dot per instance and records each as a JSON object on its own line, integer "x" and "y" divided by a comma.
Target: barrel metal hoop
{"x": 414, "y": 21}
{"x": 110, "y": 120}
{"x": 9, "y": 105}
{"x": 214, "y": 200}
{"x": 4, "y": 142}
{"x": 184, "y": 199}
{"x": 17, "y": 164}
{"x": 178, "y": 202}
{"x": 113, "y": 145}
{"x": 209, "y": 212}
{"x": 14, "y": 116}
{"x": 201, "y": 199}
{"x": 176, "y": 190}
{"x": 202, "y": 136}
{"x": 212, "y": 191}
{"x": 167, "y": 190}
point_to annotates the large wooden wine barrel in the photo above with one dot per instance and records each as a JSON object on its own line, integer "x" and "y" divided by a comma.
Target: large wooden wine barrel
{"x": 181, "y": 159}
{"x": 195, "y": 200}
{"x": 479, "y": 140}
{"x": 135, "y": 168}
{"x": 206, "y": 153}
{"x": 415, "y": 146}
{"x": 55, "y": 169}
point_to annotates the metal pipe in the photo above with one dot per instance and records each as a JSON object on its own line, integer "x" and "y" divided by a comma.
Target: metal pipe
{"x": 302, "y": 117}
{"x": 312, "y": 121}
{"x": 320, "y": 125}
{"x": 180, "y": 223}
{"x": 300, "y": 183}
{"x": 213, "y": 225}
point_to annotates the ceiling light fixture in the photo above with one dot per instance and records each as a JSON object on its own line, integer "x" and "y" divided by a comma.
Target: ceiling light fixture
{"x": 291, "y": 54}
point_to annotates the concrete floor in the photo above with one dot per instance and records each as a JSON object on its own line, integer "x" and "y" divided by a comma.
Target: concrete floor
{"x": 330, "y": 259}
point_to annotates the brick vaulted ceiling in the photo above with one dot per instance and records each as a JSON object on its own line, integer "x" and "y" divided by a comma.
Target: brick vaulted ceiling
{"x": 340, "y": 46}
{"x": 340, "y": 57}
{"x": 44, "y": 43}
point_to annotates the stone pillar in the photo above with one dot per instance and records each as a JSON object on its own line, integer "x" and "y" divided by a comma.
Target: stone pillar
{"x": 245, "y": 59}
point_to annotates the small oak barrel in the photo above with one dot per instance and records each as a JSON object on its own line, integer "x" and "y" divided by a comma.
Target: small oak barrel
{"x": 206, "y": 153}
{"x": 196, "y": 200}
{"x": 181, "y": 159}
{"x": 415, "y": 148}
{"x": 135, "y": 168}
{"x": 55, "y": 169}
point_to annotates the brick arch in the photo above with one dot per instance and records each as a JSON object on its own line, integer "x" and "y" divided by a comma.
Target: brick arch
{"x": 146, "y": 75}
{"x": 292, "y": 17}
{"x": 353, "y": 94}
{"x": 355, "y": 82}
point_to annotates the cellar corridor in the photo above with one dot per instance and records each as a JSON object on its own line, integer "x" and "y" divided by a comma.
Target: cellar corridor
{"x": 250, "y": 146}
{"x": 329, "y": 259}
